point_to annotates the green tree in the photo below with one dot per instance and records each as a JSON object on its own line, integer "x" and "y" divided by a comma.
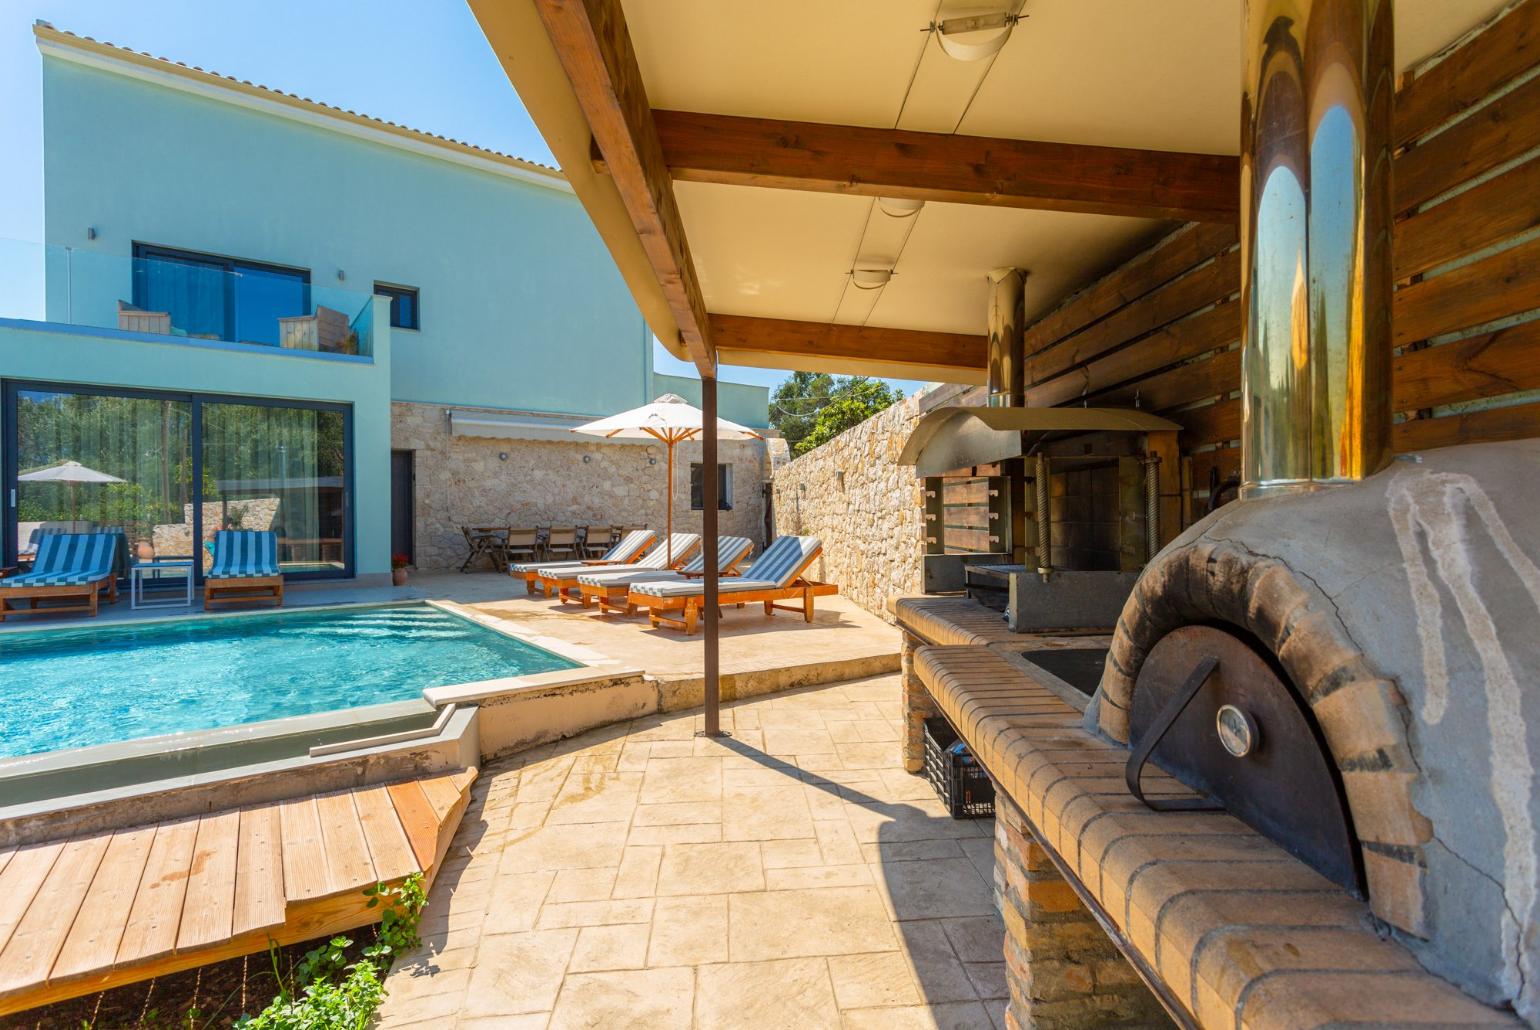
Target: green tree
{"x": 852, "y": 401}
{"x": 796, "y": 402}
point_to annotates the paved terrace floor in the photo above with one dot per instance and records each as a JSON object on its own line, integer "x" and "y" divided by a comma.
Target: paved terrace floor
{"x": 842, "y": 632}
{"x": 792, "y": 875}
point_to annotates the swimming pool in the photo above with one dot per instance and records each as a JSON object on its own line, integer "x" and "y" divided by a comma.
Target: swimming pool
{"x": 78, "y": 688}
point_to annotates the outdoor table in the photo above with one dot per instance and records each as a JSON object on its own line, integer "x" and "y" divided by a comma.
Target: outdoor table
{"x": 136, "y": 577}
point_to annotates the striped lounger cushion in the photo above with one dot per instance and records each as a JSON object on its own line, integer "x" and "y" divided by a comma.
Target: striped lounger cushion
{"x": 67, "y": 560}
{"x": 629, "y": 545}
{"x": 773, "y": 571}
{"x": 244, "y": 554}
{"x": 730, "y": 549}
{"x": 656, "y": 560}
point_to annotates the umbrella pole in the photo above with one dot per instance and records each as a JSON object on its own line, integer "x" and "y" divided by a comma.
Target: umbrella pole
{"x": 668, "y": 529}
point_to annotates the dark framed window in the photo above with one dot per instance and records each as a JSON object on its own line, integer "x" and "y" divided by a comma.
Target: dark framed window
{"x": 698, "y": 487}
{"x": 405, "y": 311}
{"x": 217, "y": 297}
{"x": 183, "y": 466}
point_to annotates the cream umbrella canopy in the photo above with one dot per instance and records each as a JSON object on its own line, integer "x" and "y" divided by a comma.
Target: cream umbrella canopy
{"x": 70, "y": 472}
{"x": 670, "y": 419}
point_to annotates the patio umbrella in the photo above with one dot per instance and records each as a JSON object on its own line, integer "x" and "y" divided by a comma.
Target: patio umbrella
{"x": 71, "y": 472}
{"x": 670, "y": 419}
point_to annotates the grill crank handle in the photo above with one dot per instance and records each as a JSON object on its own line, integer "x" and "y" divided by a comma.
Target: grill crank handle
{"x": 1163, "y": 722}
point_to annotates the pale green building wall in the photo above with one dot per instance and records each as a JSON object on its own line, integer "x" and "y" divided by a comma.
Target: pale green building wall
{"x": 49, "y": 352}
{"x": 736, "y": 402}
{"x": 522, "y": 307}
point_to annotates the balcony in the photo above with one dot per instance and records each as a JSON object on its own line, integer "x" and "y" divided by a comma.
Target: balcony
{"x": 186, "y": 296}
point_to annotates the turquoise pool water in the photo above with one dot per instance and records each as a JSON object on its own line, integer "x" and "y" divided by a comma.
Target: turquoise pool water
{"x": 76, "y": 689}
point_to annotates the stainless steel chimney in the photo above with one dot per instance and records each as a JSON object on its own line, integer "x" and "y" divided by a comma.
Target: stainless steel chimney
{"x": 1007, "y": 388}
{"x": 1315, "y": 239}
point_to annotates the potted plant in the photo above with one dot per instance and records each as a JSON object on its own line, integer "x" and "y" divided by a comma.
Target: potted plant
{"x": 398, "y": 564}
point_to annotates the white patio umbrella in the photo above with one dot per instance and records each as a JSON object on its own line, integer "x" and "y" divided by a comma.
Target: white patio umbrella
{"x": 670, "y": 419}
{"x": 71, "y": 472}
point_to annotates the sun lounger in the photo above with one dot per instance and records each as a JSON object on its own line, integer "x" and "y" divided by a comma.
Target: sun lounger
{"x": 69, "y": 567}
{"x": 775, "y": 576}
{"x": 631, "y": 546}
{"x": 563, "y": 581}
{"x": 245, "y": 569}
{"x": 610, "y": 589}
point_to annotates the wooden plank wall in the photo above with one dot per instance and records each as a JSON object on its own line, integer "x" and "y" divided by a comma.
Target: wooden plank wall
{"x": 1163, "y": 330}
{"x": 965, "y": 503}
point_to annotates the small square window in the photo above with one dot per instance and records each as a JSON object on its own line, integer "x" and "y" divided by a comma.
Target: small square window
{"x": 404, "y": 308}
{"x": 698, "y": 487}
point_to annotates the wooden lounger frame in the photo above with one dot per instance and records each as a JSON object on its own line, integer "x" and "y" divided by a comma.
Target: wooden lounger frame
{"x": 88, "y": 593}
{"x": 689, "y": 605}
{"x": 564, "y": 581}
{"x": 243, "y": 590}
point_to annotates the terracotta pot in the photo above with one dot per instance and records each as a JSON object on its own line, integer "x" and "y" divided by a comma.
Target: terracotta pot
{"x": 398, "y": 577}
{"x": 144, "y": 550}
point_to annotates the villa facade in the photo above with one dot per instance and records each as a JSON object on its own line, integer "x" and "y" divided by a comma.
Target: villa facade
{"x": 283, "y": 314}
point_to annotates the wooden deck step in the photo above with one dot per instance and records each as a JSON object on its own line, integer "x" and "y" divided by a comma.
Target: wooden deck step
{"x": 101, "y": 910}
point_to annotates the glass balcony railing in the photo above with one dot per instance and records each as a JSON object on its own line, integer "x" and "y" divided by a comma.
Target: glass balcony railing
{"x": 184, "y": 294}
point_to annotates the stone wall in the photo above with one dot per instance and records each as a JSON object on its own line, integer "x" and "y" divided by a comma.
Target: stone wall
{"x": 478, "y": 481}
{"x": 1062, "y": 970}
{"x": 866, "y": 508}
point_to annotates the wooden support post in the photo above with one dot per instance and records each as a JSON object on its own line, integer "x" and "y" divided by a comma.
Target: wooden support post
{"x": 709, "y": 488}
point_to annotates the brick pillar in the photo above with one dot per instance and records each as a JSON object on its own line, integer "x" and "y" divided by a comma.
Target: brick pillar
{"x": 1061, "y": 968}
{"x": 918, "y": 706}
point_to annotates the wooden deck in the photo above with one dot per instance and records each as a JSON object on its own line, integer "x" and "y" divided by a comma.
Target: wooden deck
{"x": 97, "y": 911}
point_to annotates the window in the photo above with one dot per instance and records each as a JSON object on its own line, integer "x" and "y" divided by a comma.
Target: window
{"x": 170, "y": 470}
{"x": 698, "y": 489}
{"x": 404, "y": 313}
{"x": 218, "y": 297}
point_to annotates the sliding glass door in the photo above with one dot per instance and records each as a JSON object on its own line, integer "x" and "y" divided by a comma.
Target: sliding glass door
{"x": 169, "y": 471}
{"x": 87, "y": 461}
{"x": 280, "y": 468}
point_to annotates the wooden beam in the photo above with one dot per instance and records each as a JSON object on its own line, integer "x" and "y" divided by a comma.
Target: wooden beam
{"x": 822, "y": 341}
{"x": 942, "y": 167}
{"x": 595, "y": 51}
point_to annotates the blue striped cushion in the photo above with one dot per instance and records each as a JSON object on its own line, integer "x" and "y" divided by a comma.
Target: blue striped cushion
{"x": 784, "y": 557}
{"x": 729, "y": 549}
{"x": 69, "y": 559}
{"x": 655, "y": 560}
{"x": 694, "y": 587}
{"x": 772, "y": 571}
{"x": 244, "y": 554}
{"x": 679, "y": 545}
{"x": 630, "y": 545}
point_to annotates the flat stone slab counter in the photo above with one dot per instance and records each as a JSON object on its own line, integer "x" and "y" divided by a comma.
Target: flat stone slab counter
{"x": 1239, "y": 932}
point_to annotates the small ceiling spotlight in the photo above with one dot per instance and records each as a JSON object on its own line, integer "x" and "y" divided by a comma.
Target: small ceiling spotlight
{"x": 897, "y": 207}
{"x": 870, "y": 278}
{"x": 964, "y": 38}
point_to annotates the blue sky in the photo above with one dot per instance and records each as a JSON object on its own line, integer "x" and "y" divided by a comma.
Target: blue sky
{"x": 425, "y": 65}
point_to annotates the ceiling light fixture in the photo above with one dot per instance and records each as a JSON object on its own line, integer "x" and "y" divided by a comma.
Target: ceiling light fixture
{"x": 899, "y": 207}
{"x": 962, "y": 38}
{"x": 870, "y": 278}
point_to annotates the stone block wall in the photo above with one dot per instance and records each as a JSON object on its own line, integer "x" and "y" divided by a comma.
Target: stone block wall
{"x": 1061, "y": 968}
{"x": 467, "y": 481}
{"x": 866, "y": 508}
